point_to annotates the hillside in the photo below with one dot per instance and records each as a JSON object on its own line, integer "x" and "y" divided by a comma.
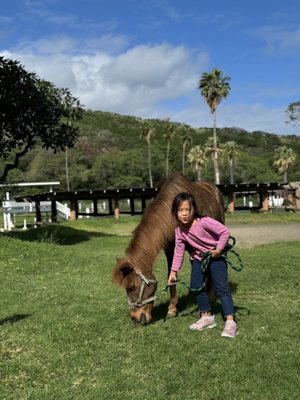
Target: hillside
{"x": 111, "y": 152}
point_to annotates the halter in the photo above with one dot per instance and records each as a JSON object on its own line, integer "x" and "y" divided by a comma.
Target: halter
{"x": 140, "y": 302}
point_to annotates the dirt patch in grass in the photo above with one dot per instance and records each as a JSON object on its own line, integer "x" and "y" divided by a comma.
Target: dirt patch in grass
{"x": 253, "y": 235}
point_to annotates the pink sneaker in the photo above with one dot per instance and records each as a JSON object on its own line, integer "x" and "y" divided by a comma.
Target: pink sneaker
{"x": 230, "y": 329}
{"x": 203, "y": 323}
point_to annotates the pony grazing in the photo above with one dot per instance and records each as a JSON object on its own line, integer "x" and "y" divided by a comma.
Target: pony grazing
{"x": 155, "y": 232}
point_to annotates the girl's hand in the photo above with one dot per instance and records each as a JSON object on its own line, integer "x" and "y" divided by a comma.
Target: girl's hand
{"x": 215, "y": 253}
{"x": 172, "y": 278}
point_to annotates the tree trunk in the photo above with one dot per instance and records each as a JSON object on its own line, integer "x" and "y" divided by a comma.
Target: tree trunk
{"x": 67, "y": 169}
{"x": 215, "y": 154}
{"x": 149, "y": 165}
{"x": 199, "y": 174}
{"x": 15, "y": 164}
{"x": 167, "y": 159}
{"x": 183, "y": 157}
{"x": 231, "y": 170}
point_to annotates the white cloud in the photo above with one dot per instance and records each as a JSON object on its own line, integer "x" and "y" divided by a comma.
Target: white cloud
{"x": 43, "y": 11}
{"x": 253, "y": 117}
{"x": 146, "y": 81}
{"x": 110, "y": 44}
{"x": 129, "y": 83}
{"x": 64, "y": 44}
{"x": 155, "y": 68}
{"x": 58, "y": 44}
{"x": 279, "y": 38}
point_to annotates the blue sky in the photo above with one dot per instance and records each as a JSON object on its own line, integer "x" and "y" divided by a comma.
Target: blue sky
{"x": 145, "y": 57}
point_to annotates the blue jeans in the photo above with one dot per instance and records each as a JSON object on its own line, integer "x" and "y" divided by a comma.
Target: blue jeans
{"x": 218, "y": 272}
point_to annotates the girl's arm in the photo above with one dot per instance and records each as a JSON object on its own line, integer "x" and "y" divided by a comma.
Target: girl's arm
{"x": 178, "y": 257}
{"x": 178, "y": 251}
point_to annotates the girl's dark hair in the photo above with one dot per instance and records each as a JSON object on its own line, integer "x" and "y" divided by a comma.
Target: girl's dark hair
{"x": 179, "y": 199}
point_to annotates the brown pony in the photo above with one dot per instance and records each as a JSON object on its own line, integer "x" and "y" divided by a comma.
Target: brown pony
{"x": 156, "y": 231}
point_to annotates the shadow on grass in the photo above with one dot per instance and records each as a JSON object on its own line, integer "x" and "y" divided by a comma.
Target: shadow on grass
{"x": 55, "y": 234}
{"x": 13, "y": 319}
{"x": 187, "y": 300}
{"x": 161, "y": 310}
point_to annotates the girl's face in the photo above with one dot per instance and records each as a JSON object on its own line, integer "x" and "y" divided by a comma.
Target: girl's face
{"x": 185, "y": 213}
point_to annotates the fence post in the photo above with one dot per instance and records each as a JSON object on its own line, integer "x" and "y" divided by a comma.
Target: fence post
{"x": 264, "y": 200}
{"x": 297, "y": 197}
{"x": 53, "y": 211}
{"x": 73, "y": 210}
{"x": 117, "y": 208}
{"x": 38, "y": 212}
{"x": 132, "y": 209}
{"x": 230, "y": 207}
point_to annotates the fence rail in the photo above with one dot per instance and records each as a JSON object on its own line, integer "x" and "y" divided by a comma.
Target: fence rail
{"x": 255, "y": 196}
{"x": 12, "y": 207}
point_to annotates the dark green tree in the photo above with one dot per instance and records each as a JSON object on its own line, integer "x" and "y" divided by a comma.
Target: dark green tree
{"x": 197, "y": 158}
{"x": 118, "y": 169}
{"x": 284, "y": 157}
{"x": 293, "y": 113}
{"x": 33, "y": 111}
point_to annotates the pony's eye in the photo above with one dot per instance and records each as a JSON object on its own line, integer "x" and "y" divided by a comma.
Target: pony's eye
{"x": 130, "y": 288}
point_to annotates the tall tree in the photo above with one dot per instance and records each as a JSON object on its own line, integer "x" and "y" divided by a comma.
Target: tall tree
{"x": 147, "y": 133}
{"x": 187, "y": 140}
{"x": 214, "y": 87}
{"x": 33, "y": 111}
{"x": 293, "y": 113}
{"x": 198, "y": 160}
{"x": 284, "y": 157}
{"x": 231, "y": 152}
{"x": 169, "y": 135}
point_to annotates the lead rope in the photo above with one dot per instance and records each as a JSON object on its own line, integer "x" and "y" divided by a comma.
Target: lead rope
{"x": 207, "y": 257}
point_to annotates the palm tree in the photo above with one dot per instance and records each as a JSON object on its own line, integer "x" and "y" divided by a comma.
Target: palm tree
{"x": 284, "y": 157}
{"x": 214, "y": 87}
{"x": 231, "y": 152}
{"x": 197, "y": 158}
{"x": 169, "y": 135}
{"x": 147, "y": 133}
{"x": 187, "y": 140}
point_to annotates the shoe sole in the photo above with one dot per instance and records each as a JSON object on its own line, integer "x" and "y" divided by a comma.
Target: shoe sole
{"x": 231, "y": 337}
{"x": 205, "y": 327}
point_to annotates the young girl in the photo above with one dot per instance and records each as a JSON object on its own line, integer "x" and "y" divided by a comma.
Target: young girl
{"x": 202, "y": 234}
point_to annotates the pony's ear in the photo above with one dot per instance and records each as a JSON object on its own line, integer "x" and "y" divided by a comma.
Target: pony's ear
{"x": 121, "y": 272}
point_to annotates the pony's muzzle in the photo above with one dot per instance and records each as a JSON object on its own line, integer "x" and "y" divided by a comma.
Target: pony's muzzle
{"x": 142, "y": 315}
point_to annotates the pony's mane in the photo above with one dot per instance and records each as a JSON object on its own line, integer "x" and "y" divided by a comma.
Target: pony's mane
{"x": 157, "y": 226}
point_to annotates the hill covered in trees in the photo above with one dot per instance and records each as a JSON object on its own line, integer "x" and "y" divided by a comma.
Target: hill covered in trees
{"x": 113, "y": 152}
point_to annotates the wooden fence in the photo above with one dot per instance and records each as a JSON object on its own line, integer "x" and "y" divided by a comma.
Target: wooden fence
{"x": 264, "y": 197}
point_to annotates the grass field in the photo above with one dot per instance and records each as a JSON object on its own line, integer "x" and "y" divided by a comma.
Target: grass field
{"x": 65, "y": 332}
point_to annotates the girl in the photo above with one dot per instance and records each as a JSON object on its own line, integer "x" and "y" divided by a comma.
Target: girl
{"x": 202, "y": 234}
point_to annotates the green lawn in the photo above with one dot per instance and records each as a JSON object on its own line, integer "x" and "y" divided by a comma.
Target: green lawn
{"x": 65, "y": 331}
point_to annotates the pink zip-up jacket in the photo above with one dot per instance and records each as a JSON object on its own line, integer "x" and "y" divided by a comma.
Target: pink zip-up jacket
{"x": 205, "y": 234}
